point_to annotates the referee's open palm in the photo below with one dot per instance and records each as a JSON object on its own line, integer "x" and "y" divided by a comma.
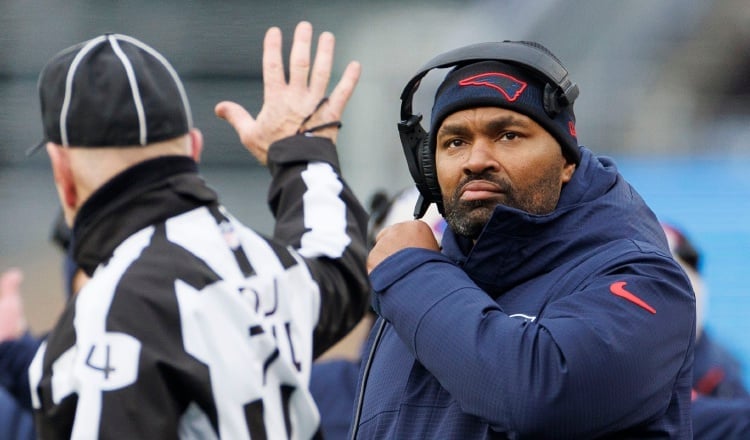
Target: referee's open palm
{"x": 296, "y": 105}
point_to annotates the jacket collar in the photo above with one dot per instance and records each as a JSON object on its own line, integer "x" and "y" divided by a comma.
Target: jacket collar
{"x": 144, "y": 194}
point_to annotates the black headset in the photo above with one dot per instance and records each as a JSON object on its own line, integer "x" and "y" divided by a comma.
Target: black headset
{"x": 559, "y": 92}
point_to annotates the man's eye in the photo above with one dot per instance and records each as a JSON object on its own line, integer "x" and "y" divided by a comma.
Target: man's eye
{"x": 509, "y": 136}
{"x": 454, "y": 143}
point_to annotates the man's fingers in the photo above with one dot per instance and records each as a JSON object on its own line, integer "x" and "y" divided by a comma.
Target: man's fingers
{"x": 273, "y": 64}
{"x": 10, "y": 282}
{"x": 344, "y": 89}
{"x": 299, "y": 57}
{"x": 12, "y": 321}
{"x": 321, "y": 70}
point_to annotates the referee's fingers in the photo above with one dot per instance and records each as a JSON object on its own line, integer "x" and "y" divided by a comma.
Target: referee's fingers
{"x": 273, "y": 64}
{"x": 234, "y": 114}
{"x": 321, "y": 69}
{"x": 299, "y": 57}
{"x": 238, "y": 118}
{"x": 345, "y": 87}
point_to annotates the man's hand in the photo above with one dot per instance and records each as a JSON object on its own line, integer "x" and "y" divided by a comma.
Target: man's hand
{"x": 287, "y": 104}
{"x": 414, "y": 233}
{"x": 12, "y": 320}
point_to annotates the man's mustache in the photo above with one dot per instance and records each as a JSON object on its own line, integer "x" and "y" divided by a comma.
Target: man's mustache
{"x": 501, "y": 182}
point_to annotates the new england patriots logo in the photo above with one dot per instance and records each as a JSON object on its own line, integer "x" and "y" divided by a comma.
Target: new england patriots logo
{"x": 510, "y": 87}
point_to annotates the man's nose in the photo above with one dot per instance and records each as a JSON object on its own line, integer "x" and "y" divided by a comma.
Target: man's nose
{"x": 482, "y": 157}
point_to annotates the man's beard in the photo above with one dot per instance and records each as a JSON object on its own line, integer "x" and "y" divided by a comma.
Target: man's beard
{"x": 468, "y": 218}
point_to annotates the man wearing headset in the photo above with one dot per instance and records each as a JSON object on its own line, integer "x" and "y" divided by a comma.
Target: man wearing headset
{"x": 554, "y": 309}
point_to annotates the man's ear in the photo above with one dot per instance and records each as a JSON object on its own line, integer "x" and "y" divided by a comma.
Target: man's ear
{"x": 60, "y": 158}
{"x": 196, "y": 144}
{"x": 568, "y": 171}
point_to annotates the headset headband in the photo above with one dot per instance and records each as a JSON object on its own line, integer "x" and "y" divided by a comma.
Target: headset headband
{"x": 528, "y": 55}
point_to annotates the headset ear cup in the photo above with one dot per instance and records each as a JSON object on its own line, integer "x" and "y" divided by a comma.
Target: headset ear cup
{"x": 551, "y": 101}
{"x": 429, "y": 174}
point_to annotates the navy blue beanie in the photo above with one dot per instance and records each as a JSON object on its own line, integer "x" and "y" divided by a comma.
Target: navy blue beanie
{"x": 499, "y": 84}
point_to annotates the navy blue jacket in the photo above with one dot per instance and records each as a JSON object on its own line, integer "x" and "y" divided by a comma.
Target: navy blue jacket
{"x": 16, "y": 421}
{"x": 716, "y": 418}
{"x": 333, "y": 385}
{"x": 15, "y": 358}
{"x": 573, "y": 325}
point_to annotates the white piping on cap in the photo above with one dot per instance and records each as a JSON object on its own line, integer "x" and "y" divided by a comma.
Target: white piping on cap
{"x": 142, "y": 128}
{"x": 69, "y": 86}
{"x": 170, "y": 69}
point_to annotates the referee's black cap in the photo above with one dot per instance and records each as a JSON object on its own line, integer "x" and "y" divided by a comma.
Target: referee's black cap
{"x": 111, "y": 91}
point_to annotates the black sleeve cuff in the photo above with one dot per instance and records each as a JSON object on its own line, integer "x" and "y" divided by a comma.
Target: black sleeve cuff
{"x": 301, "y": 148}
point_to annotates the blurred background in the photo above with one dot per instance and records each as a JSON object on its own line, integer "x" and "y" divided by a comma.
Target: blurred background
{"x": 665, "y": 90}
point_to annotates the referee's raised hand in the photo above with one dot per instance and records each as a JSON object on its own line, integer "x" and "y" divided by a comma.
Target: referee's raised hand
{"x": 299, "y": 105}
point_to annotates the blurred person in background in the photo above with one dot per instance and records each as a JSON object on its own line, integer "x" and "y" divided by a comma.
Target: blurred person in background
{"x": 17, "y": 348}
{"x": 716, "y": 371}
{"x": 18, "y": 345}
{"x": 721, "y": 403}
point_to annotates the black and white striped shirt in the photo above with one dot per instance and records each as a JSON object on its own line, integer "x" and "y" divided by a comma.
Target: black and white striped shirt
{"x": 193, "y": 325}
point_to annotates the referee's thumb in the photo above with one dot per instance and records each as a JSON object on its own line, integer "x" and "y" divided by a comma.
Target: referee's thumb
{"x": 234, "y": 114}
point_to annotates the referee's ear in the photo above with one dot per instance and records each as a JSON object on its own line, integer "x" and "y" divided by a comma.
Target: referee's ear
{"x": 64, "y": 180}
{"x": 196, "y": 144}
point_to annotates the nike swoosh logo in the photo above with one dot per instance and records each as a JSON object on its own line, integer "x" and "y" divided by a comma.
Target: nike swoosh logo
{"x": 618, "y": 288}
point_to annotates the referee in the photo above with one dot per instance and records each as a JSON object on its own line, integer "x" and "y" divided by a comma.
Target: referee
{"x": 192, "y": 325}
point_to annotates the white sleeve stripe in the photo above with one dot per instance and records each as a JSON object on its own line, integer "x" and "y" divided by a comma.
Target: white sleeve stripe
{"x": 324, "y": 213}
{"x": 35, "y": 374}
